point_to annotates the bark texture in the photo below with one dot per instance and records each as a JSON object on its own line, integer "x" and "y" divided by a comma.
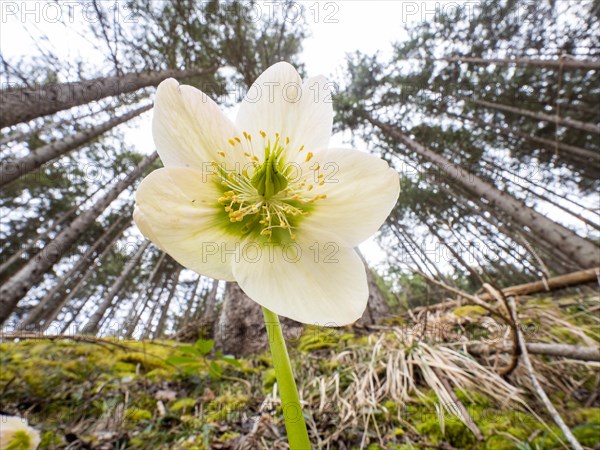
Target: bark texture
{"x": 23, "y": 104}
{"x": 31, "y": 273}
{"x": 12, "y": 170}
{"x": 581, "y": 251}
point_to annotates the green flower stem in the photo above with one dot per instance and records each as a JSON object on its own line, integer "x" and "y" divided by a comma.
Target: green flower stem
{"x": 290, "y": 402}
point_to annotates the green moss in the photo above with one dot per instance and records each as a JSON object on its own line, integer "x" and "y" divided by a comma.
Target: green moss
{"x": 50, "y": 440}
{"x": 472, "y": 311}
{"x": 455, "y": 432}
{"x": 184, "y": 404}
{"x": 472, "y": 398}
{"x": 584, "y": 415}
{"x": 137, "y": 415}
{"x": 564, "y": 335}
{"x": 317, "y": 338}
{"x": 228, "y": 436}
{"x": 268, "y": 379}
{"x": 587, "y": 434}
{"x": 226, "y": 407}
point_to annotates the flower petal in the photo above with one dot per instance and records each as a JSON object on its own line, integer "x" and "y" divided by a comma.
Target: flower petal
{"x": 177, "y": 208}
{"x": 188, "y": 127}
{"x": 361, "y": 191}
{"x": 324, "y": 285}
{"x": 278, "y": 102}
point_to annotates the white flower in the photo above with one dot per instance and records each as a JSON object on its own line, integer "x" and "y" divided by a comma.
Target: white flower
{"x": 264, "y": 201}
{"x": 15, "y": 434}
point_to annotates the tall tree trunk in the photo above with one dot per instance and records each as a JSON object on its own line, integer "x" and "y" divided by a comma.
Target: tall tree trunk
{"x": 210, "y": 308}
{"x": 149, "y": 288}
{"x": 23, "y": 104}
{"x": 11, "y": 170}
{"x": 55, "y": 309}
{"x": 377, "y": 307}
{"x": 561, "y": 121}
{"x": 86, "y": 259}
{"x": 189, "y": 309}
{"x": 241, "y": 329}
{"x": 19, "y": 284}
{"x": 560, "y": 64}
{"x": 148, "y": 328}
{"x": 52, "y": 226}
{"x": 165, "y": 309}
{"x": 572, "y": 150}
{"x": 583, "y": 252}
{"x": 91, "y": 327}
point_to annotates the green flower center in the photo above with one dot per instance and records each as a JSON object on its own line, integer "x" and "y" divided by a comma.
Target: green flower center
{"x": 268, "y": 178}
{"x": 267, "y": 199}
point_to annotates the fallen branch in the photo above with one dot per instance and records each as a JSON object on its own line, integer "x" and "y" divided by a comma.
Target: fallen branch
{"x": 576, "y": 352}
{"x": 536, "y": 385}
{"x": 535, "y": 287}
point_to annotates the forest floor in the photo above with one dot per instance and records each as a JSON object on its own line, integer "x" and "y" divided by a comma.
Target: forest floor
{"x": 395, "y": 387}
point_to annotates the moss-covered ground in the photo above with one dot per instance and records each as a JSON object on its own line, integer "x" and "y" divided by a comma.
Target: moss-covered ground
{"x": 113, "y": 394}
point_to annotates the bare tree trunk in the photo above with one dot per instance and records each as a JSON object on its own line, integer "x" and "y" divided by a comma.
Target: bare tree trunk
{"x": 571, "y": 150}
{"x": 581, "y": 251}
{"x": 561, "y": 64}
{"x": 561, "y": 121}
{"x": 11, "y": 170}
{"x": 91, "y": 327}
{"x": 19, "y": 284}
{"x": 165, "y": 309}
{"x": 23, "y": 104}
{"x": 210, "y": 307}
{"x": 241, "y": 330}
{"x": 86, "y": 259}
{"x": 55, "y": 309}
{"x": 377, "y": 307}
{"x": 156, "y": 304}
{"x": 52, "y": 226}
{"x": 189, "y": 309}
{"x": 149, "y": 288}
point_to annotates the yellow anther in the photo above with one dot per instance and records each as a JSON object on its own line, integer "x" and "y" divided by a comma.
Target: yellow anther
{"x": 321, "y": 176}
{"x": 301, "y": 148}
{"x": 232, "y": 142}
{"x": 263, "y": 134}
{"x": 309, "y": 156}
{"x": 247, "y": 154}
{"x": 316, "y": 169}
{"x": 245, "y": 135}
{"x": 287, "y": 141}
{"x": 222, "y": 154}
{"x": 266, "y": 232}
{"x": 321, "y": 183}
{"x": 238, "y": 139}
{"x": 309, "y": 187}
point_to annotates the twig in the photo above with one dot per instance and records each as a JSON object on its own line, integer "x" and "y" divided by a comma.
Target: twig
{"x": 501, "y": 298}
{"x": 536, "y": 385}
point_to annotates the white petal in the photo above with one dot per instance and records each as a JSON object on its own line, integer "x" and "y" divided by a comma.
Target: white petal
{"x": 278, "y": 102}
{"x": 188, "y": 127}
{"x": 177, "y": 208}
{"x": 325, "y": 286}
{"x": 361, "y": 191}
